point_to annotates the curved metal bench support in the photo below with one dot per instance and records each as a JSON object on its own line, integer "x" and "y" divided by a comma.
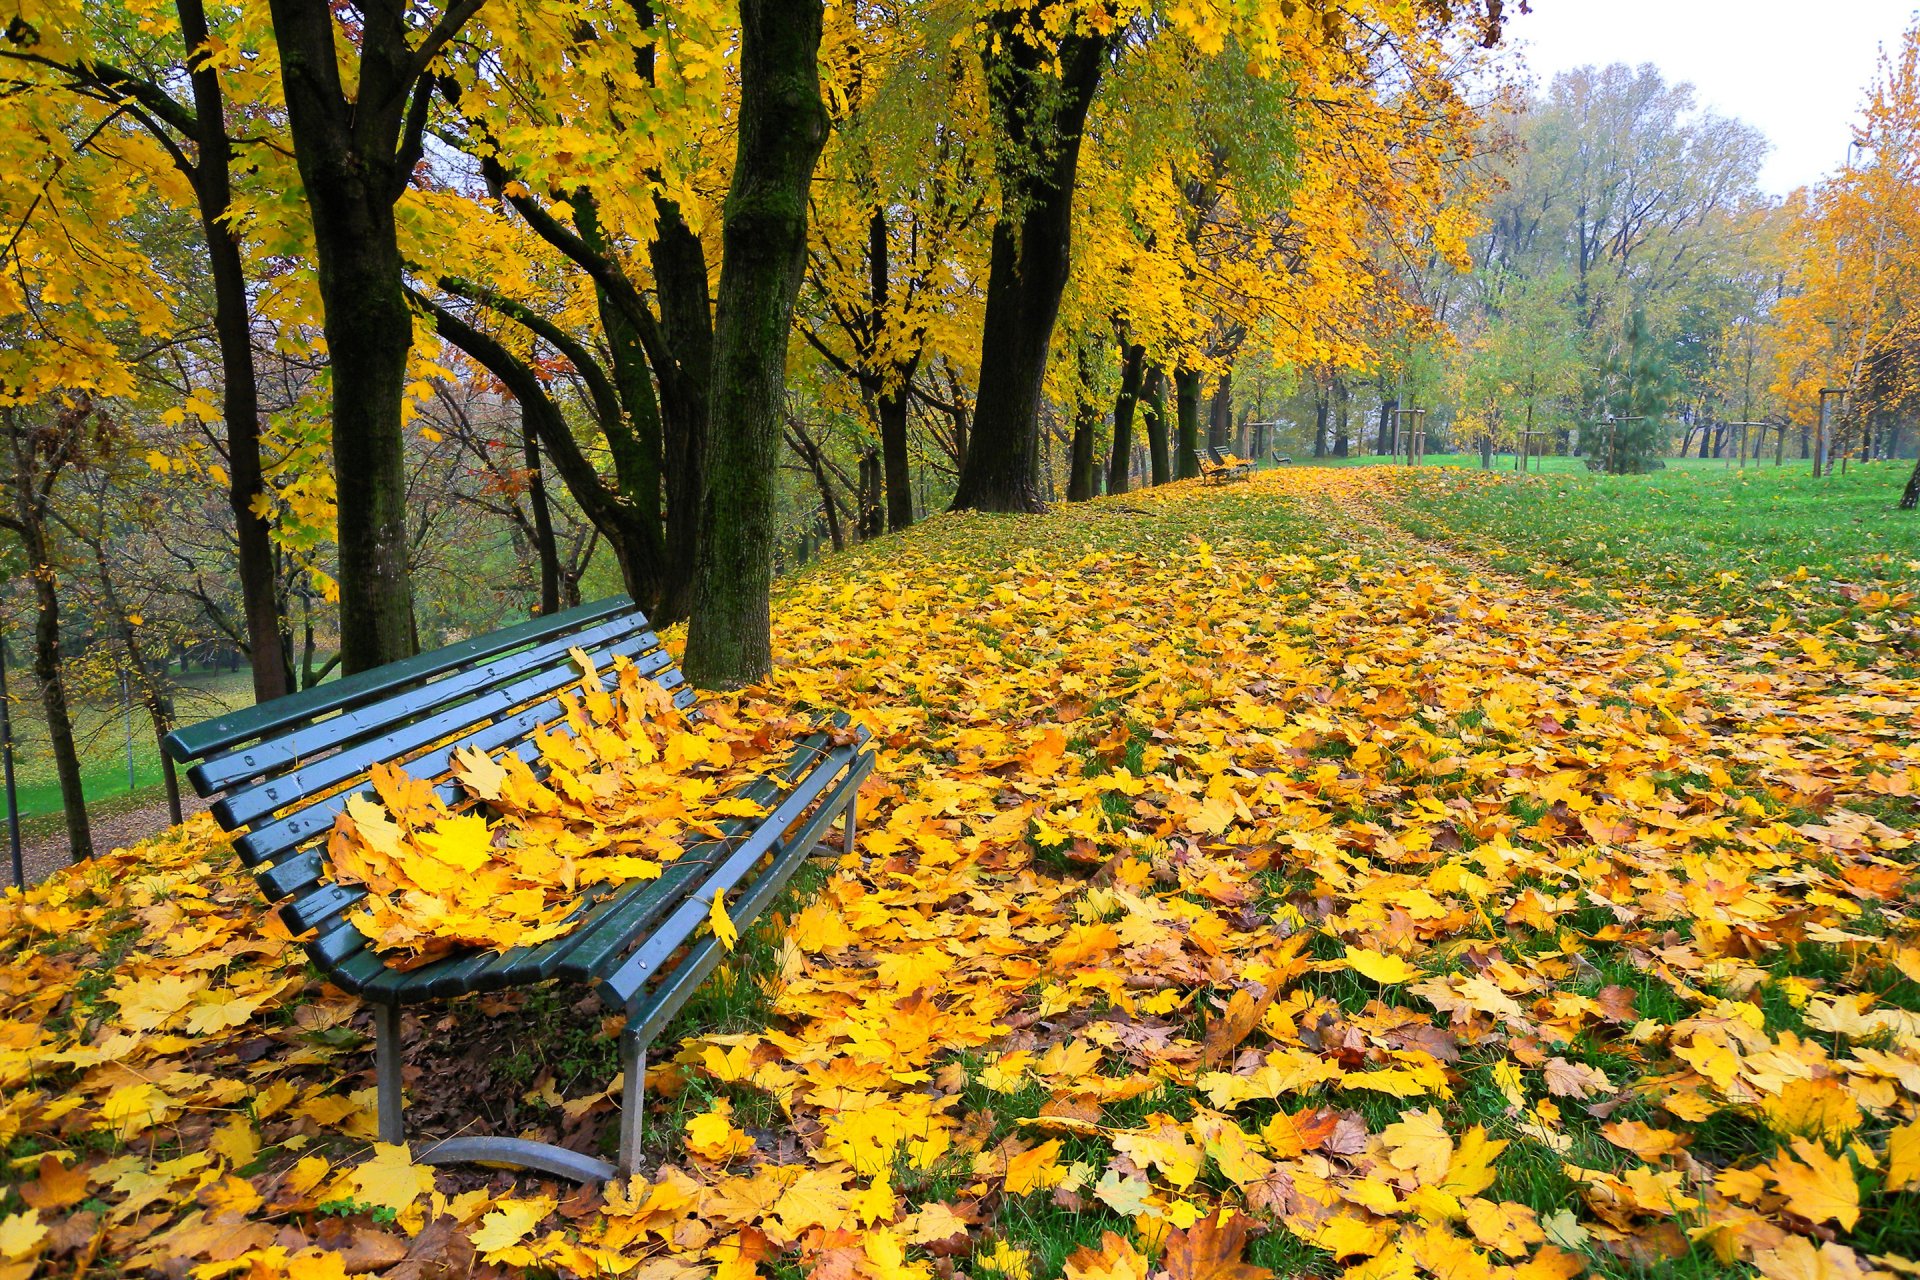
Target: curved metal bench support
{"x": 516, "y": 1153}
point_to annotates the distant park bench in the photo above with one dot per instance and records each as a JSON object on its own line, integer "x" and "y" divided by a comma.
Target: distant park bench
{"x": 1219, "y": 467}
{"x": 282, "y": 771}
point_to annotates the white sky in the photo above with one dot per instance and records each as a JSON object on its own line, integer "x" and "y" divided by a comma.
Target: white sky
{"x": 1794, "y": 70}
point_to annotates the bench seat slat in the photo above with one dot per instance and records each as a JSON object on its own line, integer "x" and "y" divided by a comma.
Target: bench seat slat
{"x": 249, "y": 804}
{"x": 197, "y": 741}
{"x": 671, "y": 934}
{"x": 226, "y": 772}
{"x": 272, "y": 839}
{"x": 649, "y": 1013}
{"x": 599, "y": 947}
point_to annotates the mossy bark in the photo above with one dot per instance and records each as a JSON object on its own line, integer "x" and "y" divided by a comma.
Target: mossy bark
{"x": 782, "y": 127}
{"x": 1186, "y": 400}
{"x": 1038, "y": 98}
{"x": 1160, "y": 456}
{"x": 1133, "y": 359}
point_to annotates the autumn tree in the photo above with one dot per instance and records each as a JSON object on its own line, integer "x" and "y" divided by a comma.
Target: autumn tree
{"x": 1847, "y": 319}
{"x": 178, "y": 97}
{"x": 782, "y": 127}
{"x": 358, "y": 125}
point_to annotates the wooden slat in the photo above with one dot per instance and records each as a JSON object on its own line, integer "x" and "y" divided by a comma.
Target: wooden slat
{"x": 228, "y": 771}
{"x": 292, "y": 829}
{"x": 203, "y": 739}
{"x": 649, "y": 1011}
{"x": 246, "y": 805}
{"x": 672, "y": 933}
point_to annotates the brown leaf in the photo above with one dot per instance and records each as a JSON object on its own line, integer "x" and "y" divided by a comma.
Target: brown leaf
{"x": 1210, "y": 1250}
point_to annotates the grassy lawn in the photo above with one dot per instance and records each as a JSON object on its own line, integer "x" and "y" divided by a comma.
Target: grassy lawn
{"x": 1772, "y": 543}
{"x": 101, "y": 731}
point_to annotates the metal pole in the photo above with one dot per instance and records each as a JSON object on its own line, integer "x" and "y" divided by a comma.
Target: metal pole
{"x": 6, "y": 762}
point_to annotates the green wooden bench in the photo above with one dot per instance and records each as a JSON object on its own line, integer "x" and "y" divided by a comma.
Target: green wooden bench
{"x": 1217, "y": 467}
{"x": 282, "y": 770}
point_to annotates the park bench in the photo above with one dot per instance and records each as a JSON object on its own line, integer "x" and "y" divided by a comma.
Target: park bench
{"x": 282, "y": 770}
{"x": 1219, "y": 467}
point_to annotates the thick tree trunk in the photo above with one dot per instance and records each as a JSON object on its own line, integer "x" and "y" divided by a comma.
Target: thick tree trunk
{"x": 1154, "y": 393}
{"x": 1186, "y": 403}
{"x": 1039, "y": 99}
{"x": 890, "y": 408}
{"x": 240, "y": 398}
{"x": 356, "y": 157}
{"x": 1322, "y": 414}
{"x": 1910, "y": 497}
{"x": 1220, "y": 415}
{"x": 782, "y": 126}
{"x": 1133, "y": 359}
{"x": 686, "y": 394}
{"x": 1388, "y": 408}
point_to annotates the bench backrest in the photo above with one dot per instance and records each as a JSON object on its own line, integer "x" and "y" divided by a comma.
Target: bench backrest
{"x": 283, "y": 769}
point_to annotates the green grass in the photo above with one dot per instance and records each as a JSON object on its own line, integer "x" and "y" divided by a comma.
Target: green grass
{"x": 1769, "y": 543}
{"x": 100, "y": 730}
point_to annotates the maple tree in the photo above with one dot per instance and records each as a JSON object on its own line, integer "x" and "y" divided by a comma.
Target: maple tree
{"x": 1844, "y": 321}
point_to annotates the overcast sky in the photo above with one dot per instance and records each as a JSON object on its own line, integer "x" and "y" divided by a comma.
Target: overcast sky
{"x": 1794, "y": 70}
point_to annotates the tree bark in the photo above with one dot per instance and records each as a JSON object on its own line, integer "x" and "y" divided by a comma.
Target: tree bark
{"x": 544, "y": 545}
{"x": 1160, "y": 456}
{"x": 1387, "y": 409}
{"x": 49, "y": 671}
{"x": 1186, "y": 402}
{"x": 782, "y": 127}
{"x": 1038, "y": 99}
{"x": 356, "y": 154}
{"x": 1340, "y": 396}
{"x": 1133, "y": 359}
{"x": 1220, "y": 415}
{"x": 1910, "y": 497}
{"x": 1081, "y": 482}
{"x": 1321, "y": 414}
{"x": 890, "y": 407}
{"x": 240, "y": 398}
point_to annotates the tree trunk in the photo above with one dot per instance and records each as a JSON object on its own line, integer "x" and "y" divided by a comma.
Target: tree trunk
{"x": 890, "y": 408}
{"x": 686, "y": 395}
{"x": 1388, "y": 408}
{"x": 1133, "y": 358}
{"x": 1081, "y": 483}
{"x": 240, "y": 398}
{"x": 1340, "y": 397}
{"x": 1155, "y": 394}
{"x": 1321, "y": 413}
{"x": 356, "y": 157}
{"x": 1186, "y": 402}
{"x": 543, "y": 542}
{"x": 1038, "y": 99}
{"x": 782, "y": 126}
{"x": 49, "y": 671}
{"x": 1910, "y": 497}
{"x": 1220, "y": 414}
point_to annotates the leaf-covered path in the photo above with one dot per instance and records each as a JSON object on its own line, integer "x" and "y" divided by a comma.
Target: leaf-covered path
{"x": 1236, "y": 880}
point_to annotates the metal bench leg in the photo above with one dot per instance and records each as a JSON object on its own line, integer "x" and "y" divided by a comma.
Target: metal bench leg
{"x": 850, "y": 818}
{"x": 386, "y": 1070}
{"x": 633, "y": 1060}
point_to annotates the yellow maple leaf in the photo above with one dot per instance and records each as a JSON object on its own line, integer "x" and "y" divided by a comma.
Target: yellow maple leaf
{"x": 1035, "y": 1170}
{"x": 389, "y": 1179}
{"x": 499, "y": 1234}
{"x": 1817, "y": 1186}
{"x": 1384, "y": 969}
{"x": 721, "y": 923}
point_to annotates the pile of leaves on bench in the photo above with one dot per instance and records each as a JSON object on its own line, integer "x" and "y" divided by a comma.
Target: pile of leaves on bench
{"x": 626, "y": 779}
